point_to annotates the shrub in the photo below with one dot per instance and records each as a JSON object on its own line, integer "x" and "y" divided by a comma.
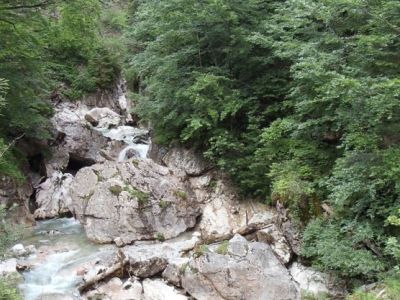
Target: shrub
{"x": 341, "y": 249}
{"x": 388, "y": 289}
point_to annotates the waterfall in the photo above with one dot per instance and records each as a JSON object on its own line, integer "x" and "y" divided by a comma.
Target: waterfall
{"x": 140, "y": 150}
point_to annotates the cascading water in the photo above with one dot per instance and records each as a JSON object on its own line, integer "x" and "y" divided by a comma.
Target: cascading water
{"x": 140, "y": 150}
{"x": 131, "y": 136}
{"x": 55, "y": 264}
{"x": 62, "y": 244}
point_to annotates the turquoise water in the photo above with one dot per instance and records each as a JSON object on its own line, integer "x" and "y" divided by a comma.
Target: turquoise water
{"x": 59, "y": 255}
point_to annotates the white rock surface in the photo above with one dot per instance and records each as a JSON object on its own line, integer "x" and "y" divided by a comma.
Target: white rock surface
{"x": 186, "y": 160}
{"x": 224, "y": 215}
{"x": 309, "y": 280}
{"x": 115, "y": 289}
{"x": 273, "y": 237}
{"x": 103, "y": 117}
{"x": 246, "y": 271}
{"x": 135, "y": 200}
{"x": 53, "y": 196}
{"x": 8, "y": 266}
{"x": 76, "y": 136}
{"x": 157, "y": 289}
{"x": 18, "y": 250}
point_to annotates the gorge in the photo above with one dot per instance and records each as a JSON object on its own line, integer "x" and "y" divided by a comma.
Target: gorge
{"x": 200, "y": 149}
{"x": 168, "y": 230}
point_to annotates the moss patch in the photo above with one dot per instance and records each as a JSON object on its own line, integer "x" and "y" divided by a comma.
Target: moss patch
{"x": 181, "y": 194}
{"x": 200, "y": 250}
{"x": 223, "y": 248}
{"x": 164, "y": 204}
{"x": 115, "y": 190}
{"x": 159, "y": 237}
{"x": 142, "y": 197}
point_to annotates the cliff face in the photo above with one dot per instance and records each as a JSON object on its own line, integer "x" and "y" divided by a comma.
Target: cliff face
{"x": 15, "y": 197}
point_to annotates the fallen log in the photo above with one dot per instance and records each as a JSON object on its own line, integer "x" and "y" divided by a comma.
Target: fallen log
{"x": 102, "y": 276}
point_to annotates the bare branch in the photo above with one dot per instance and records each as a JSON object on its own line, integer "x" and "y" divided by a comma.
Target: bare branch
{"x": 9, "y": 146}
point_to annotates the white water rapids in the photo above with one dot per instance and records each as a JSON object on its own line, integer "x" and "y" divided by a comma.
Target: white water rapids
{"x": 131, "y": 137}
{"x": 54, "y": 272}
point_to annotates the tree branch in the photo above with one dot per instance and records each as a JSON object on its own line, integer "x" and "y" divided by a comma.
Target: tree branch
{"x": 11, "y": 145}
{"x": 42, "y": 4}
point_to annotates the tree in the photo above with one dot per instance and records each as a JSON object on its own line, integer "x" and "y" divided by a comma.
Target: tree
{"x": 46, "y": 44}
{"x": 341, "y": 138}
{"x": 205, "y": 80}
{"x": 297, "y": 100}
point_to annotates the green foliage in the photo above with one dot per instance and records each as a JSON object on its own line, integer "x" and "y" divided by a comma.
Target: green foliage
{"x": 200, "y": 250}
{"x": 393, "y": 243}
{"x": 342, "y": 248}
{"x": 50, "y": 48}
{"x": 9, "y": 234}
{"x": 3, "y": 91}
{"x": 164, "y": 203}
{"x": 140, "y": 196}
{"x": 388, "y": 289}
{"x": 81, "y": 57}
{"x": 297, "y": 100}
{"x": 66, "y": 41}
{"x": 204, "y": 79}
{"x": 115, "y": 190}
{"x": 9, "y": 164}
{"x": 223, "y": 248}
{"x": 159, "y": 237}
{"x": 8, "y": 292}
{"x": 22, "y": 67}
{"x": 181, "y": 194}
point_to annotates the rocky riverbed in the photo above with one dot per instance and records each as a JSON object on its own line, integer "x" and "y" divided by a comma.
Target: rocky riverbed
{"x": 144, "y": 222}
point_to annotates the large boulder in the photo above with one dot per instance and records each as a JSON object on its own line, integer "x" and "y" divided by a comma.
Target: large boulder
{"x": 135, "y": 200}
{"x": 187, "y": 160}
{"x": 224, "y": 214}
{"x": 113, "y": 98}
{"x": 245, "y": 270}
{"x": 146, "y": 260}
{"x": 157, "y": 152}
{"x": 143, "y": 260}
{"x": 103, "y": 117}
{"x": 53, "y": 197}
{"x": 75, "y": 135}
{"x": 309, "y": 280}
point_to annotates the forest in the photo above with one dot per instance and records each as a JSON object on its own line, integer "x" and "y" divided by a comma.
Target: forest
{"x": 298, "y": 101}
